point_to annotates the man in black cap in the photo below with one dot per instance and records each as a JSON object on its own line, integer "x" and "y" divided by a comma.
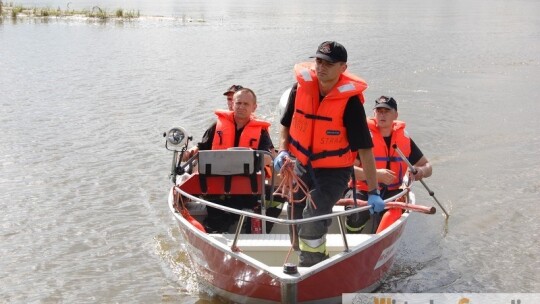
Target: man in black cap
{"x": 386, "y": 132}
{"x": 229, "y": 94}
{"x": 324, "y": 127}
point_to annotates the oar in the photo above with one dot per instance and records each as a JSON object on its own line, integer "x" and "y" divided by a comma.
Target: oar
{"x": 400, "y": 205}
{"x": 414, "y": 171}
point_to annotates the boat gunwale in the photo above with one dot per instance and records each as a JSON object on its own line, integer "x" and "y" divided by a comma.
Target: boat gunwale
{"x": 284, "y": 221}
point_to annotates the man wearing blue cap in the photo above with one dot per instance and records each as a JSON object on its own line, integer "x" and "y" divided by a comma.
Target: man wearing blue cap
{"x": 324, "y": 127}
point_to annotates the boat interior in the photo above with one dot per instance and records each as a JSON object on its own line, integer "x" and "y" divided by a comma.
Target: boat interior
{"x": 234, "y": 172}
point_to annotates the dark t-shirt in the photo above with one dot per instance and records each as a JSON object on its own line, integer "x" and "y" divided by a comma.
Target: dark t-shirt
{"x": 354, "y": 120}
{"x": 206, "y": 143}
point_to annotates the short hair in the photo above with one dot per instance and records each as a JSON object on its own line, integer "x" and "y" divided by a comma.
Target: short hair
{"x": 249, "y": 91}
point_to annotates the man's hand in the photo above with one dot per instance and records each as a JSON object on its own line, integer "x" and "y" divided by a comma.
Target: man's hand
{"x": 189, "y": 154}
{"x": 385, "y": 176}
{"x": 280, "y": 159}
{"x": 419, "y": 173}
{"x": 376, "y": 203}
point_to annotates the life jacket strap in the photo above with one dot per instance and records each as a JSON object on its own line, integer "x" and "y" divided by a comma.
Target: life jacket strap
{"x": 324, "y": 154}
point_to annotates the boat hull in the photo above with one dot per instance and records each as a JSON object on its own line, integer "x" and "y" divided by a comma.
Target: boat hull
{"x": 240, "y": 278}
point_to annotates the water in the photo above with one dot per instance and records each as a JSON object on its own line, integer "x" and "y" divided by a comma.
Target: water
{"x": 83, "y": 104}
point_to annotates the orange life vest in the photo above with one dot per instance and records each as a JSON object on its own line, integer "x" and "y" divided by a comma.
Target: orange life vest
{"x": 226, "y": 130}
{"x": 317, "y": 134}
{"x": 384, "y": 155}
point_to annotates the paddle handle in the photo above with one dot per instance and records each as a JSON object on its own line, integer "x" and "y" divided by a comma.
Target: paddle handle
{"x": 401, "y": 205}
{"x": 413, "y": 169}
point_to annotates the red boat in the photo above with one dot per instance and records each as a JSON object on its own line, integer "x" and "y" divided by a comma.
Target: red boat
{"x": 262, "y": 268}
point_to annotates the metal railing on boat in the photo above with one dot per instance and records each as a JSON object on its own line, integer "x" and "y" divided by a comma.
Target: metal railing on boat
{"x": 243, "y": 214}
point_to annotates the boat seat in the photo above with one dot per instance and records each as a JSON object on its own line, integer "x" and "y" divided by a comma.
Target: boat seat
{"x": 281, "y": 242}
{"x": 197, "y": 209}
{"x": 215, "y": 185}
{"x": 221, "y": 166}
{"x": 233, "y": 172}
{"x": 336, "y": 208}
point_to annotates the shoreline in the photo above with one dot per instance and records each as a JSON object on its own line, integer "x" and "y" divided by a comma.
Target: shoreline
{"x": 15, "y": 11}
{"x": 10, "y": 11}
{"x": 18, "y": 12}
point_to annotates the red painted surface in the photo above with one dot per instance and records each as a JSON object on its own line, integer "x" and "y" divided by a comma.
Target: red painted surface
{"x": 356, "y": 272}
{"x": 389, "y": 217}
{"x": 350, "y": 275}
{"x": 216, "y": 185}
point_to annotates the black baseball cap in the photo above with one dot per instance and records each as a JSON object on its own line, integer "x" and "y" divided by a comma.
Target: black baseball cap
{"x": 233, "y": 88}
{"x": 386, "y": 102}
{"x": 331, "y": 51}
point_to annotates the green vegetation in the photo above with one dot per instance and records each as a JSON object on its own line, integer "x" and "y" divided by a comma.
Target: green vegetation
{"x": 15, "y": 11}
{"x": 120, "y": 13}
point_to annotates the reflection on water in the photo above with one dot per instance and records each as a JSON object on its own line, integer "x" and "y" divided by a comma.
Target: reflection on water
{"x": 83, "y": 179}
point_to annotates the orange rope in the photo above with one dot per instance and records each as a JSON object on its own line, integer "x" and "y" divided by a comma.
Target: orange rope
{"x": 181, "y": 206}
{"x": 290, "y": 184}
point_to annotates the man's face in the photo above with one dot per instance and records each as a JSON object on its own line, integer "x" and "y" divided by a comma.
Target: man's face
{"x": 243, "y": 104}
{"x": 385, "y": 117}
{"x": 329, "y": 71}
{"x": 230, "y": 100}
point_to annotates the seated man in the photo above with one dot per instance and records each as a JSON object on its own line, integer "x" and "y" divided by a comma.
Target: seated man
{"x": 237, "y": 128}
{"x": 386, "y": 131}
{"x": 229, "y": 94}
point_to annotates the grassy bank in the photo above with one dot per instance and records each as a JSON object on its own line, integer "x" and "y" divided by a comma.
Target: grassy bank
{"x": 14, "y": 11}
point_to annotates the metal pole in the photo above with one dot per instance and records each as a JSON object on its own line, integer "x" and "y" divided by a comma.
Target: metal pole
{"x": 414, "y": 171}
{"x": 342, "y": 230}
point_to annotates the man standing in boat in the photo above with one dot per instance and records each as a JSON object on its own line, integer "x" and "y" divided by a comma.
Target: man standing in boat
{"x": 386, "y": 131}
{"x": 237, "y": 128}
{"x": 324, "y": 128}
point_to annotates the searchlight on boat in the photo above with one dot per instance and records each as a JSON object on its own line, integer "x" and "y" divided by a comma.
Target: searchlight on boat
{"x": 176, "y": 137}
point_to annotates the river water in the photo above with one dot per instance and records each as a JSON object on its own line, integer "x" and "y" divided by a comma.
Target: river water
{"x": 83, "y": 105}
